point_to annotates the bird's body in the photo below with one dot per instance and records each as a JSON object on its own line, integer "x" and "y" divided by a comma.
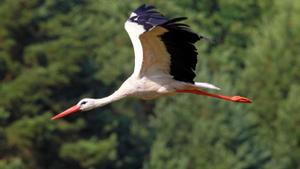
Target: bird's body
{"x": 158, "y": 70}
{"x": 151, "y": 87}
{"x": 165, "y": 61}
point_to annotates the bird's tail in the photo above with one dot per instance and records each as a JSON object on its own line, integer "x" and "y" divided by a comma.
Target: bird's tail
{"x": 228, "y": 98}
{"x": 206, "y": 85}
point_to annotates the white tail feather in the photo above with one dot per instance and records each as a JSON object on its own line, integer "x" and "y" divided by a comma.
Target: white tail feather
{"x": 206, "y": 85}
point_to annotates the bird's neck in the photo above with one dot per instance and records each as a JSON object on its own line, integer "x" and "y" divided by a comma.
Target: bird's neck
{"x": 117, "y": 95}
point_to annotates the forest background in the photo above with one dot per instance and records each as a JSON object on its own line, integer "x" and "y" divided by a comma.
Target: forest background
{"x": 55, "y": 52}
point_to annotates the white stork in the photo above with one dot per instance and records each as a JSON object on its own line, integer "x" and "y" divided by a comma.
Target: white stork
{"x": 165, "y": 60}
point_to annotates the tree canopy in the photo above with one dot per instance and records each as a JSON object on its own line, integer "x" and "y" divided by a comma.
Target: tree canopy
{"x": 53, "y": 53}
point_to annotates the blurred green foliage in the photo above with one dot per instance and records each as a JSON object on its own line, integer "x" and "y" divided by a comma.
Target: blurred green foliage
{"x": 52, "y": 53}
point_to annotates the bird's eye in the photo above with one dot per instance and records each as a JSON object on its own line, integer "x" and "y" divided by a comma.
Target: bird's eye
{"x": 82, "y": 103}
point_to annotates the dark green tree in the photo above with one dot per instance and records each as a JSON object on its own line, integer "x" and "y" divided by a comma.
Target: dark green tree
{"x": 53, "y": 53}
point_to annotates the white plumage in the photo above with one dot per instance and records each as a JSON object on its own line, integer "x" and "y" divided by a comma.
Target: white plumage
{"x": 165, "y": 60}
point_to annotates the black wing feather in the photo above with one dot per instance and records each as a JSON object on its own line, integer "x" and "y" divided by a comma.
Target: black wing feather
{"x": 179, "y": 41}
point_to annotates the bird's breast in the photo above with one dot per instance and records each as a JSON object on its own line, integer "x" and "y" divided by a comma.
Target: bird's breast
{"x": 148, "y": 88}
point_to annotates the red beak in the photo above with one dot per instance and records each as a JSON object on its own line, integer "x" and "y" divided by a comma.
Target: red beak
{"x": 69, "y": 111}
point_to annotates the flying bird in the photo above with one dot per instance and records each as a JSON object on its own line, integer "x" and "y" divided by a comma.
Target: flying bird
{"x": 165, "y": 61}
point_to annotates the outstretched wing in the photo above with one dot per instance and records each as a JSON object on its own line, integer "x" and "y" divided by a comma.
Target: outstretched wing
{"x": 162, "y": 47}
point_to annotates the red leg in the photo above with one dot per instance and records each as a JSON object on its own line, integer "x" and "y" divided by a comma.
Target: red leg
{"x": 228, "y": 98}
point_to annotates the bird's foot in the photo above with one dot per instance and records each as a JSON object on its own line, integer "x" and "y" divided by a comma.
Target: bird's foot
{"x": 240, "y": 99}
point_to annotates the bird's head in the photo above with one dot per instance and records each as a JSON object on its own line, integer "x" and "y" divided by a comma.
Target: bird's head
{"x": 85, "y": 104}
